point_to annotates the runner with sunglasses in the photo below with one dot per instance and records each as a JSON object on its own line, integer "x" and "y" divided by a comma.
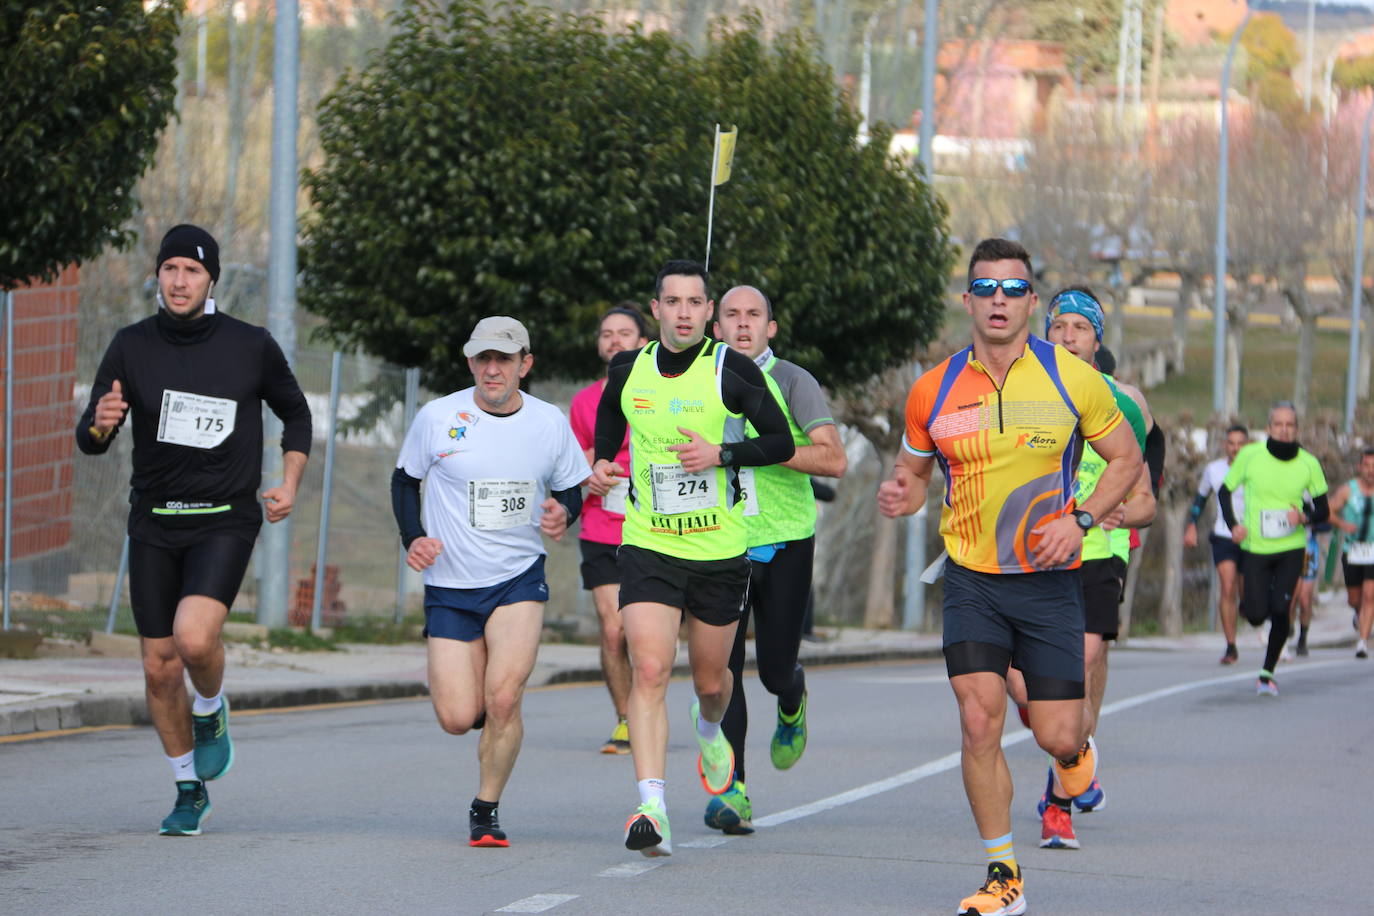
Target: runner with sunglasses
{"x": 1005, "y": 417}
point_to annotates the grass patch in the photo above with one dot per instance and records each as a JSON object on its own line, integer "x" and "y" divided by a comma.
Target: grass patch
{"x": 301, "y": 641}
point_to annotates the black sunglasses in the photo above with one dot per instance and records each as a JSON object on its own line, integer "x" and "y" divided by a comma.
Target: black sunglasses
{"x": 1013, "y": 287}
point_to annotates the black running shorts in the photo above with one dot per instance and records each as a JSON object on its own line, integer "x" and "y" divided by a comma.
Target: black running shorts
{"x": 1356, "y": 574}
{"x": 713, "y": 591}
{"x": 1103, "y": 582}
{"x": 598, "y": 564}
{"x": 1034, "y": 621}
{"x": 159, "y": 577}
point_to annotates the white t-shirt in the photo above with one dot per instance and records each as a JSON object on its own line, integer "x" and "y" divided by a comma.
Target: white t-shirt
{"x": 1212, "y": 478}
{"x": 485, "y": 478}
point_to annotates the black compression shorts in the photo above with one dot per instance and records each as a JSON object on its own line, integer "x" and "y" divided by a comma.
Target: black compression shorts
{"x": 159, "y": 577}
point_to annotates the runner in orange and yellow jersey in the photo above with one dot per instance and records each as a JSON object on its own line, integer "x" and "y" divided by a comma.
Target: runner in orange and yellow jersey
{"x": 1007, "y": 418}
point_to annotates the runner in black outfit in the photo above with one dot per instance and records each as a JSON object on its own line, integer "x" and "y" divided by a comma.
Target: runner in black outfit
{"x": 194, "y": 380}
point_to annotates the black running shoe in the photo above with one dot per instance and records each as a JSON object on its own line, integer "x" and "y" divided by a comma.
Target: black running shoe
{"x": 485, "y": 830}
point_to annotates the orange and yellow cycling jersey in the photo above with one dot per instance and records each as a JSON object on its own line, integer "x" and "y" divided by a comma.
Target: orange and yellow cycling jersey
{"x": 1009, "y": 454}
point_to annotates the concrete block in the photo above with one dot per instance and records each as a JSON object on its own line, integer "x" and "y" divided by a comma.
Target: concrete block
{"x": 46, "y": 718}
{"x": 69, "y": 715}
{"x": 17, "y": 721}
{"x": 244, "y": 632}
{"x": 115, "y": 645}
{"x": 108, "y": 710}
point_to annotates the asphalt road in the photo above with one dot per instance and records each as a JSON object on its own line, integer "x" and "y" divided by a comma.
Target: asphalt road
{"x": 1219, "y": 801}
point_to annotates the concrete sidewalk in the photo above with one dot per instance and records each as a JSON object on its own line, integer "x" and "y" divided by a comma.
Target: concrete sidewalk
{"x": 49, "y": 694}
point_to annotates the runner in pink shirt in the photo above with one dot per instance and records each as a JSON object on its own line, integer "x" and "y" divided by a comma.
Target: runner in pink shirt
{"x": 622, "y": 328}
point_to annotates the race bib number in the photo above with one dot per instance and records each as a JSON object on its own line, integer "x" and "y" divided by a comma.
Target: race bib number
{"x": 676, "y": 490}
{"x": 748, "y": 491}
{"x": 1274, "y": 523}
{"x": 614, "y": 500}
{"x": 1360, "y": 554}
{"x": 495, "y": 505}
{"x": 195, "y": 420}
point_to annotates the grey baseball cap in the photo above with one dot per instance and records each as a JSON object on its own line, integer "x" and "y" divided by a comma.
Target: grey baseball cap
{"x": 499, "y": 332}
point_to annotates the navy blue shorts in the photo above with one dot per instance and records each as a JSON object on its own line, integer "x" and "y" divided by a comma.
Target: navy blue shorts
{"x": 1224, "y": 549}
{"x": 461, "y": 613}
{"x": 1030, "y": 621}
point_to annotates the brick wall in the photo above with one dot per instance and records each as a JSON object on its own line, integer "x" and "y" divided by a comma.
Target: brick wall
{"x": 45, "y": 371}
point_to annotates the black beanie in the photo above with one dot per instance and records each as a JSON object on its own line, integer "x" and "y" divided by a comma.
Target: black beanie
{"x": 187, "y": 241}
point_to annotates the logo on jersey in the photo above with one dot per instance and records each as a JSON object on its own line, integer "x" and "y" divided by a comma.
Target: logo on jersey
{"x": 684, "y": 405}
{"x": 642, "y": 405}
{"x": 1036, "y": 440}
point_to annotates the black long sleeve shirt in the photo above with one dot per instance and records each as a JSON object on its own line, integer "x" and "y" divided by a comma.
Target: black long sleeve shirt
{"x": 742, "y": 389}
{"x": 214, "y": 356}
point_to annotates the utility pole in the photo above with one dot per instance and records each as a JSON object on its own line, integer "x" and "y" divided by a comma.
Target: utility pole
{"x": 275, "y": 561}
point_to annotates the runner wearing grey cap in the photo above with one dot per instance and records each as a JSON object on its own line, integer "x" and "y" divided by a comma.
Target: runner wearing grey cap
{"x": 501, "y": 468}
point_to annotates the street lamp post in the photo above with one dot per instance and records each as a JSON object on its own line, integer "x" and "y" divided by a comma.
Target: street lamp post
{"x": 1219, "y": 304}
{"x": 1353, "y": 371}
{"x": 930, "y": 47}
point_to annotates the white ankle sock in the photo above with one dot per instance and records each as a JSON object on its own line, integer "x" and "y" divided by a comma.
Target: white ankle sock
{"x": 205, "y": 706}
{"x": 184, "y": 767}
{"x": 651, "y": 790}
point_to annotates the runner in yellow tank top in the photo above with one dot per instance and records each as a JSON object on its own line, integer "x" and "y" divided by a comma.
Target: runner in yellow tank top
{"x": 685, "y": 399}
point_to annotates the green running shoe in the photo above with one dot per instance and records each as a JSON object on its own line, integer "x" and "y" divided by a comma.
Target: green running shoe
{"x": 730, "y": 811}
{"x": 214, "y": 749}
{"x": 646, "y": 831}
{"x": 789, "y": 738}
{"x": 716, "y": 762}
{"x": 191, "y": 810}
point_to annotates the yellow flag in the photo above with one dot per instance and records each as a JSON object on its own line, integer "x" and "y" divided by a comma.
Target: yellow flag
{"x": 725, "y": 154}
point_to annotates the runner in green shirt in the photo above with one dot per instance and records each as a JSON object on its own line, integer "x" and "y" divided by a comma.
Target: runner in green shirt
{"x": 1275, "y": 475}
{"x": 780, "y": 518}
{"x": 1352, "y": 511}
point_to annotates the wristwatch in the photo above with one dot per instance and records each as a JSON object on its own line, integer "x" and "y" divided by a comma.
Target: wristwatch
{"x": 727, "y": 457}
{"x": 1085, "y": 519}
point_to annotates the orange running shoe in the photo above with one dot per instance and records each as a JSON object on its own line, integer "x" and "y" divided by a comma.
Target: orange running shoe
{"x": 1076, "y": 776}
{"x": 1000, "y": 895}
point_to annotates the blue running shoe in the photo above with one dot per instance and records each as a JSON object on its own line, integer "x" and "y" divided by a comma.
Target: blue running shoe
{"x": 1095, "y": 799}
{"x": 1045, "y": 796}
{"x": 214, "y": 750}
{"x": 789, "y": 737}
{"x": 192, "y": 809}
{"x": 730, "y": 812}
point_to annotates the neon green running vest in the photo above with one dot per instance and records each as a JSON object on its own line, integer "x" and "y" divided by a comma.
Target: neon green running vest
{"x": 780, "y": 506}
{"x": 688, "y": 516}
{"x": 1099, "y": 544}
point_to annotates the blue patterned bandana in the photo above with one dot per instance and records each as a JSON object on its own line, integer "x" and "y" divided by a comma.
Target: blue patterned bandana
{"x": 1073, "y": 302}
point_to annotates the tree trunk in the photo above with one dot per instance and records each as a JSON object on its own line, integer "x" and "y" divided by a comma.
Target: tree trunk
{"x": 880, "y": 608}
{"x": 1171, "y": 601}
{"x": 1235, "y": 351}
{"x": 1187, "y": 292}
{"x": 1307, "y": 343}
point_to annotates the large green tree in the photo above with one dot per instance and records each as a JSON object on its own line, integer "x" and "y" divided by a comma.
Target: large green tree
{"x": 89, "y": 85}
{"x": 524, "y": 162}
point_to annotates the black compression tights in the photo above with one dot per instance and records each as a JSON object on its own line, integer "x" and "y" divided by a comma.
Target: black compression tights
{"x": 778, "y": 593}
{"x": 1270, "y": 579}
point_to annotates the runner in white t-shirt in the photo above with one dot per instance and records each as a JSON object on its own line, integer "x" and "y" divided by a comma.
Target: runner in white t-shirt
{"x": 1225, "y": 552}
{"x": 490, "y": 457}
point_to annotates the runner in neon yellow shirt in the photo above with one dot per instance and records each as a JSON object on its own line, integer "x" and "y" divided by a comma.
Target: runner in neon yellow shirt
{"x": 1275, "y": 475}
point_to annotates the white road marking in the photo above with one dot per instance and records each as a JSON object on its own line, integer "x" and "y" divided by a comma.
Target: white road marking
{"x": 537, "y": 904}
{"x": 709, "y": 842}
{"x": 630, "y": 869}
{"x": 951, "y": 761}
